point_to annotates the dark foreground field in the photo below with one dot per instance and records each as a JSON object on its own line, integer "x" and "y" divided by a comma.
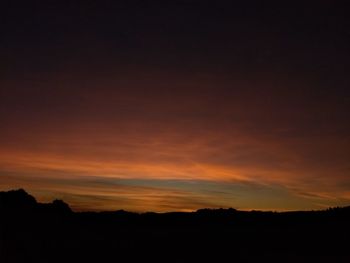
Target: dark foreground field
{"x": 34, "y": 232}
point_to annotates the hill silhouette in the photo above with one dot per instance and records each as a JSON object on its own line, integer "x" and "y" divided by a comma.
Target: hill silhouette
{"x": 36, "y": 232}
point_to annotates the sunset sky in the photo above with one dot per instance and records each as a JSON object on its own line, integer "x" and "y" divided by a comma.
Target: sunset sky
{"x": 147, "y": 106}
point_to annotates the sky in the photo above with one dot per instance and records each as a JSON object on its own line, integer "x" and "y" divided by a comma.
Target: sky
{"x": 176, "y": 106}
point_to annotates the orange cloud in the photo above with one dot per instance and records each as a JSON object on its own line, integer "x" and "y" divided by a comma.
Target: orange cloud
{"x": 154, "y": 125}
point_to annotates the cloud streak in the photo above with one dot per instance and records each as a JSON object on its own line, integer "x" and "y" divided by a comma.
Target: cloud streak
{"x": 207, "y": 140}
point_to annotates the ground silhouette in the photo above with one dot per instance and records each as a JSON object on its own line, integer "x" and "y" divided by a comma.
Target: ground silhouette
{"x": 35, "y": 232}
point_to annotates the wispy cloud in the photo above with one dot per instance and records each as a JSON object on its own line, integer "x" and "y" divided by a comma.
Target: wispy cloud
{"x": 214, "y": 139}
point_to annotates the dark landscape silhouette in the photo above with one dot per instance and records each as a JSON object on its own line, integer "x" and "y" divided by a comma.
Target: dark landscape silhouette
{"x": 36, "y": 232}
